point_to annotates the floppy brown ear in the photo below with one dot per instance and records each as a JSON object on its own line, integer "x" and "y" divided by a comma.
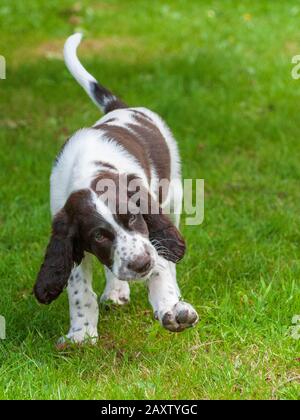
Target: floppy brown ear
{"x": 61, "y": 253}
{"x": 165, "y": 237}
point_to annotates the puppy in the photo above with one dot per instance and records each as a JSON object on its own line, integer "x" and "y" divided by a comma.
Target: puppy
{"x": 91, "y": 182}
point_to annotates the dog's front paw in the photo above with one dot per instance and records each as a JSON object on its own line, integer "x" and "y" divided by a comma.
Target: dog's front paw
{"x": 117, "y": 296}
{"x": 78, "y": 336}
{"x": 180, "y": 317}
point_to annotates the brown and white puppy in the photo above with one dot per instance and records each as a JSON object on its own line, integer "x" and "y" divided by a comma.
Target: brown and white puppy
{"x": 91, "y": 173}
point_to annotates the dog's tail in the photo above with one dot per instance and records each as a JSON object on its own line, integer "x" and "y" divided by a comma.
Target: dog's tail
{"x": 101, "y": 96}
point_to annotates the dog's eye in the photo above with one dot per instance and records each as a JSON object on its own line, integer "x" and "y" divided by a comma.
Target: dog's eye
{"x": 132, "y": 219}
{"x": 99, "y": 237}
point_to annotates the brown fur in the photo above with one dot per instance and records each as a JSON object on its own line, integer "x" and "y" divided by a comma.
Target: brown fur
{"x": 145, "y": 142}
{"x": 59, "y": 260}
{"x": 130, "y": 142}
{"x": 155, "y": 144}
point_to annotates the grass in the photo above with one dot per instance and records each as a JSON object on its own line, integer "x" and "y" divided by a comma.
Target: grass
{"x": 220, "y": 74}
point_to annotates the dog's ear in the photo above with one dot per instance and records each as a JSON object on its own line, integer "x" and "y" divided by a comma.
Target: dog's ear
{"x": 164, "y": 236}
{"x": 62, "y": 251}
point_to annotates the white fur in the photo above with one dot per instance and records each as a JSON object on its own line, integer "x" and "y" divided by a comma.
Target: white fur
{"x": 116, "y": 291}
{"x": 79, "y": 72}
{"x": 83, "y": 304}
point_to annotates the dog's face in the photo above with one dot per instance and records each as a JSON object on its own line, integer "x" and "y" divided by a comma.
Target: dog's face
{"x": 119, "y": 241}
{"x": 128, "y": 244}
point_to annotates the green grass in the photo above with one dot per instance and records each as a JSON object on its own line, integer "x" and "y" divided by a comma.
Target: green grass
{"x": 219, "y": 72}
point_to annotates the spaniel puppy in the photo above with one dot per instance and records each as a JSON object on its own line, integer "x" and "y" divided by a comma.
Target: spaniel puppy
{"x": 127, "y": 145}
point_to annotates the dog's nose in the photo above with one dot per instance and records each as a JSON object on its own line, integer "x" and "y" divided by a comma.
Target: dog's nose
{"x": 141, "y": 264}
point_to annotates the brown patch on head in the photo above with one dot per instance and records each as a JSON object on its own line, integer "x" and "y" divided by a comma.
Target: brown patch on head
{"x": 104, "y": 174}
{"x": 79, "y": 204}
{"x": 123, "y": 216}
{"x": 106, "y": 178}
{"x": 150, "y": 219}
{"x": 83, "y": 212}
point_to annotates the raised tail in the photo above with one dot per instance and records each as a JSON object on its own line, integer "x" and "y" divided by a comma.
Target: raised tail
{"x": 101, "y": 96}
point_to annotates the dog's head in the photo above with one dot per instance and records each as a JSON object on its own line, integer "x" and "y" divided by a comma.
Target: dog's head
{"x": 127, "y": 243}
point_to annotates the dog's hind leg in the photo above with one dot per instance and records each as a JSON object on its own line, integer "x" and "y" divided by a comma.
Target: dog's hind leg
{"x": 84, "y": 309}
{"x": 116, "y": 291}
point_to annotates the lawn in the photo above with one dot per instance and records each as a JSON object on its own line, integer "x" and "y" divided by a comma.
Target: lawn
{"x": 219, "y": 72}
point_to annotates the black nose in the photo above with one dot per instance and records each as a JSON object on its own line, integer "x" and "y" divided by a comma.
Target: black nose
{"x": 141, "y": 264}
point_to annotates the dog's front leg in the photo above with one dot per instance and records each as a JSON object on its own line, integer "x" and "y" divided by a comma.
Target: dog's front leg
{"x": 164, "y": 296}
{"x": 116, "y": 291}
{"x": 84, "y": 309}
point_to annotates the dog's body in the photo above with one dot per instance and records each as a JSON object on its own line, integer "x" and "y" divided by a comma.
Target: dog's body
{"x": 131, "y": 144}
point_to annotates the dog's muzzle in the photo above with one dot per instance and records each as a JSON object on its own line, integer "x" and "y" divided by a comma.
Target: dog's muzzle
{"x": 139, "y": 268}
